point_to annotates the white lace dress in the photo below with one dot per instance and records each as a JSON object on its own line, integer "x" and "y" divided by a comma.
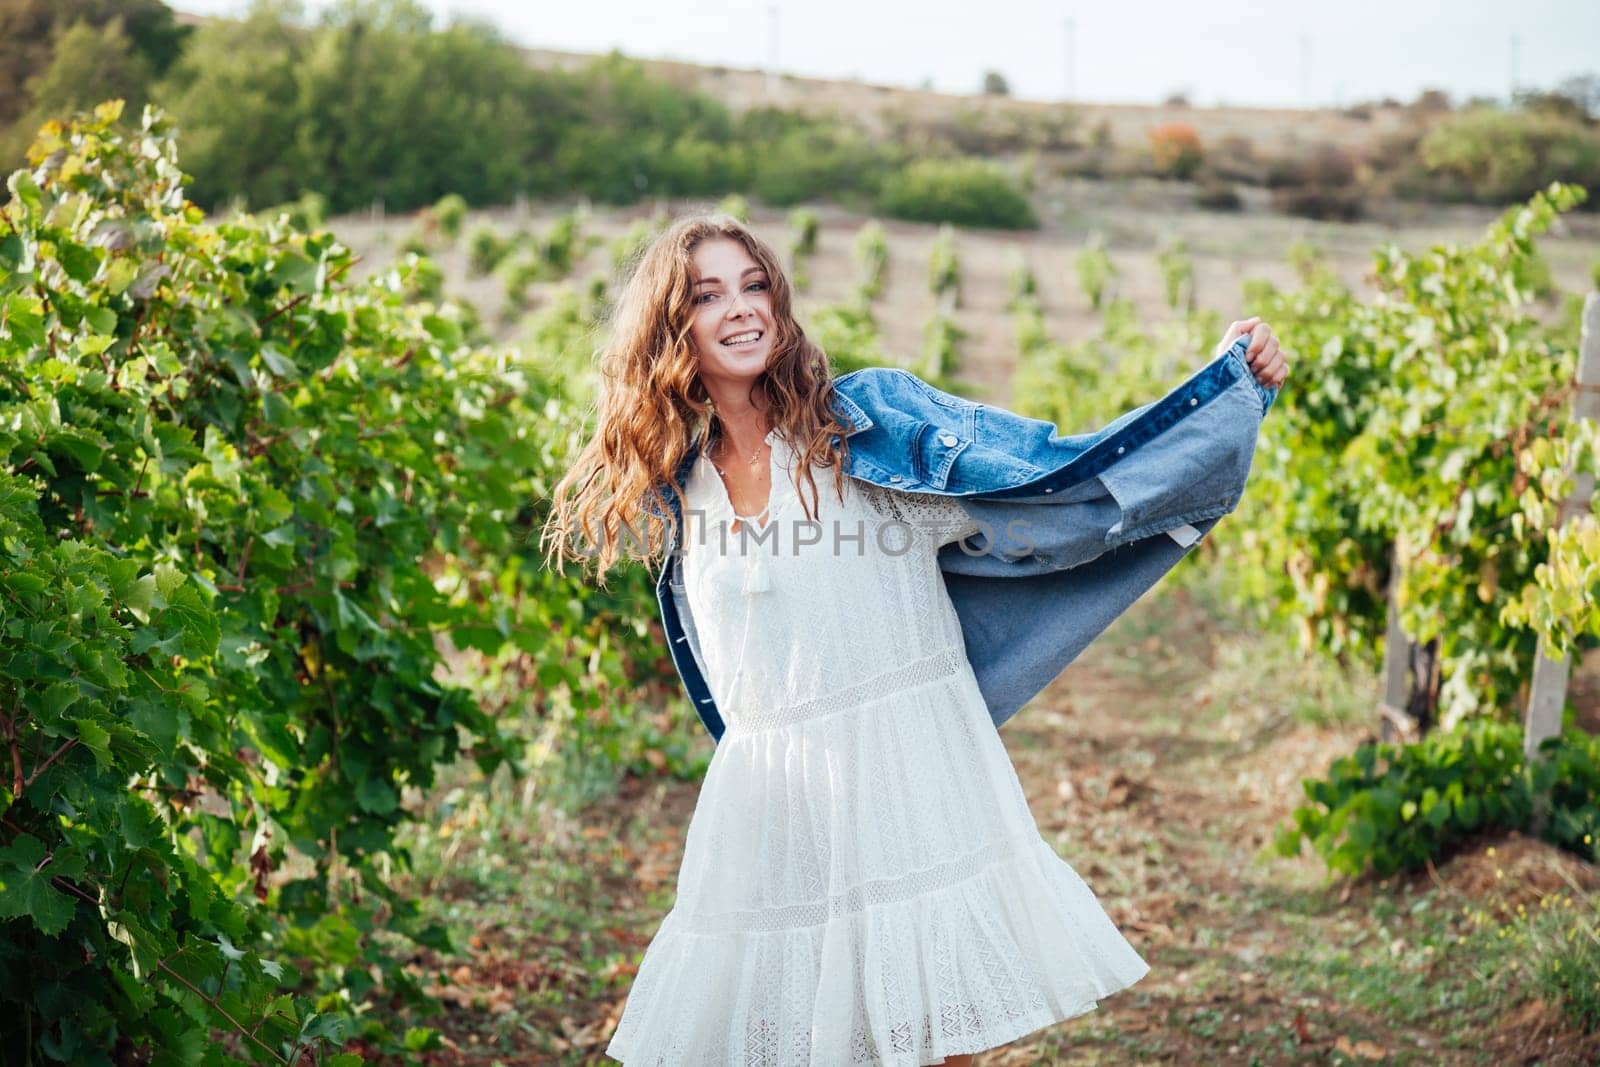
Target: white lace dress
{"x": 862, "y": 880}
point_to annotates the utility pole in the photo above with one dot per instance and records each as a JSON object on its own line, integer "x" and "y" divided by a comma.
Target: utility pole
{"x": 1515, "y": 56}
{"x": 1069, "y": 32}
{"x": 772, "y": 50}
{"x": 1305, "y": 70}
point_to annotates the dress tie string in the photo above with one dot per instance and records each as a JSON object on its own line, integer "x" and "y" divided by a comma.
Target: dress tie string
{"x": 758, "y": 573}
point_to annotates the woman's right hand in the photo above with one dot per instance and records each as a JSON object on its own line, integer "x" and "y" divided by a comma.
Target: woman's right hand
{"x": 1263, "y": 354}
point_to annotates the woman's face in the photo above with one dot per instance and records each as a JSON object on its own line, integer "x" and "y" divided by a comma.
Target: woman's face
{"x": 732, "y": 300}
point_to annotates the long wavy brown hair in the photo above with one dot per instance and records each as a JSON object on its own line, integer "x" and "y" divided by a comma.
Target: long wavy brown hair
{"x": 652, "y": 405}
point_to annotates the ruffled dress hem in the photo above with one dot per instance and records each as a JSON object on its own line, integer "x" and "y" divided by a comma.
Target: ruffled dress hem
{"x": 1017, "y": 946}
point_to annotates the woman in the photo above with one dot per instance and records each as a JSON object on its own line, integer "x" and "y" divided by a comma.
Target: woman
{"x": 862, "y": 880}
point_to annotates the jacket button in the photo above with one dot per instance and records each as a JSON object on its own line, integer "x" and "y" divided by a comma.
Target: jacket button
{"x": 1121, "y": 449}
{"x": 1193, "y": 400}
{"x": 947, "y": 439}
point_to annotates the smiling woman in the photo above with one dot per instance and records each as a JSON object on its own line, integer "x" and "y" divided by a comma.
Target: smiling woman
{"x": 862, "y": 881}
{"x": 732, "y": 329}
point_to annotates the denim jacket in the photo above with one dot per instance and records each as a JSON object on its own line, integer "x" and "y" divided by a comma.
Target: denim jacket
{"x": 1074, "y": 528}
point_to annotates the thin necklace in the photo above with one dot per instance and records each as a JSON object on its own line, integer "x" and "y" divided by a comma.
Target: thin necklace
{"x": 724, "y": 474}
{"x": 753, "y": 455}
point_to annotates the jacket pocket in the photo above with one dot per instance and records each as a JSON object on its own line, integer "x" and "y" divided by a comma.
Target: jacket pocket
{"x": 934, "y": 454}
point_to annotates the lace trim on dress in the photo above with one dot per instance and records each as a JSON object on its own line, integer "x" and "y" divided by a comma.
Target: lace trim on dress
{"x": 941, "y": 517}
{"x": 917, "y": 672}
{"x": 860, "y": 897}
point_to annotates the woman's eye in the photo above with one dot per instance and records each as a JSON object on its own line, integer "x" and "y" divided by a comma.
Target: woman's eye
{"x": 703, "y": 297}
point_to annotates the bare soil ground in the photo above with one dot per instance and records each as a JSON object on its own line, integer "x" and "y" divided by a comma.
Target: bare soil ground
{"x": 1134, "y": 218}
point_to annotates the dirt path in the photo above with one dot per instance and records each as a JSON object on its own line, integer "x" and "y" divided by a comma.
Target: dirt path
{"x": 1159, "y": 781}
{"x": 1159, "y": 765}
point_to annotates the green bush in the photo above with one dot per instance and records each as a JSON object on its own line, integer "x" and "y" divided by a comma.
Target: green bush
{"x": 516, "y": 274}
{"x": 306, "y": 212}
{"x": 546, "y": 257}
{"x": 1095, "y": 270}
{"x": 449, "y": 213}
{"x": 803, "y": 227}
{"x": 485, "y": 249}
{"x": 1491, "y": 156}
{"x": 424, "y": 279}
{"x": 1389, "y": 808}
{"x": 1177, "y": 272}
{"x": 1085, "y": 384}
{"x": 560, "y": 246}
{"x": 818, "y": 159}
{"x": 872, "y": 256}
{"x": 1020, "y": 282}
{"x": 940, "y": 357}
{"x": 245, "y": 504}
{"x": 965, "y": 192}
{"x": 848, "y": 333}
{"x": 944, "y": 264}
{"x": 627, "y": 247}
{"x": 1420, "y": 418}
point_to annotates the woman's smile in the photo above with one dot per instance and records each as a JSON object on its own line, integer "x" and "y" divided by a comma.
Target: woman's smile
{"x": 732, "y": 320}
{"x": 745, "y": 341}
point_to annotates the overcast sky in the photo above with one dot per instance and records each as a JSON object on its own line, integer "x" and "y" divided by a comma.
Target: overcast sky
{"x": 1284, "y": 54}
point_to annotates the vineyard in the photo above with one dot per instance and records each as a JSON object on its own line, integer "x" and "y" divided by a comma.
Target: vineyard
{"x": 310, "y": 760}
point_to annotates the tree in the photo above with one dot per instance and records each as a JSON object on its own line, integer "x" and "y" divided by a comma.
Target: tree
{"x": 1431, "y": 100}
{"x": 30, "y": 30}
{"x": 235, "y": 95}
{"x": 1573, "y": 100}
{"x": 371, "y": 103}
{"x": 89, "y": 64}
{"x": 1583, "y": 89}
{"x": 995, "y": 84}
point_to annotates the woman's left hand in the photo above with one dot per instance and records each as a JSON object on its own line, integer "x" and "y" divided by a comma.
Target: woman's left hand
{"x": 1264, "y": 356}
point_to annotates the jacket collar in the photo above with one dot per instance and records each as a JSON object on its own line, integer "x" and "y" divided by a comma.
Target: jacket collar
{"x": 851, "y": 412}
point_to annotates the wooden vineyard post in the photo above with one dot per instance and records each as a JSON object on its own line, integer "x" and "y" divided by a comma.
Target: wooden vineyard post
{"x": 1393, "y": 722}
{"x": 1409, "y": 707}
{"x": 1547, "y": 694}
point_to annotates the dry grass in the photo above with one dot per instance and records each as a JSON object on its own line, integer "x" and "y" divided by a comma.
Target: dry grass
{"x": 1272, "y": 129}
